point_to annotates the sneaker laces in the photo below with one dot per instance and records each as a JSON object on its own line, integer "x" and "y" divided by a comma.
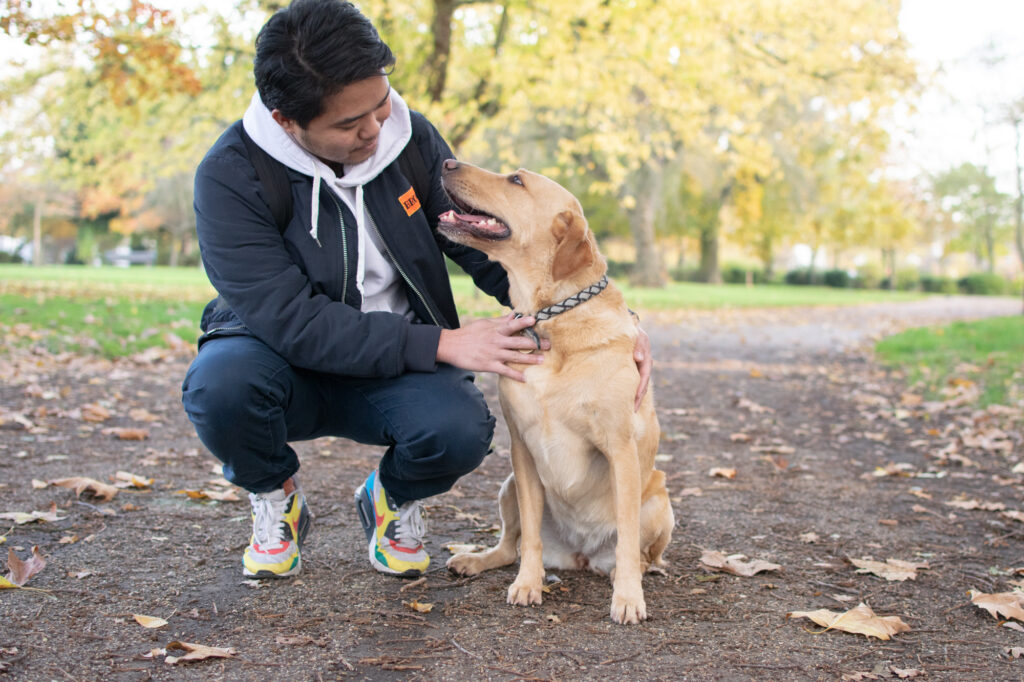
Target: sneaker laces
{"x": 267, "y": 527}
{"x": 410, "y": 529}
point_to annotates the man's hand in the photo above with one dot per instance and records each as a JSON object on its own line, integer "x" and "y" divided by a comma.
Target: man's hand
{"x": 644, "y": 363}
{"x": 490, "y": 345}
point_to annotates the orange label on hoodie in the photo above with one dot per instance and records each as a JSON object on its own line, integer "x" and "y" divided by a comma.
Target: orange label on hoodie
{"x": 410, "y": 202}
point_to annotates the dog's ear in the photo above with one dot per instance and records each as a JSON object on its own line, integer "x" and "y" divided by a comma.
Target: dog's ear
{"x": 572, "y": 248}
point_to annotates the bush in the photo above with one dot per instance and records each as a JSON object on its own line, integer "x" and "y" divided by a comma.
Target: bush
{"x": 619, "y": 269}
{"x": 938, "y": 285}
{"x": 10, "y": 257}
{"x": 737, "y": 274}
{"x": 684, "y": 274}
{"x": 840, "y": 279}
{"x": 869, "y": 276}
{"x": 907, "y": 279}
{"x": 983, "y": 284}
{"x": 799, "y": 277}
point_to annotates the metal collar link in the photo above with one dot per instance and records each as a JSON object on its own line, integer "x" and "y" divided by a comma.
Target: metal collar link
{"x": 561, "y": 307}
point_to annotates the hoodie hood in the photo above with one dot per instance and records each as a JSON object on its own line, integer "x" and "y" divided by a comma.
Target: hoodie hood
{"x": 395, "y": 133}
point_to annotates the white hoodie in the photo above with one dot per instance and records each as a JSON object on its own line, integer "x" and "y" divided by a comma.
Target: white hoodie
{"x": 377, "y": 279}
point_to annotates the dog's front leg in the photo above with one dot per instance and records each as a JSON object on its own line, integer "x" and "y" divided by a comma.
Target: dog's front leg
{"x": 627, "y": 589}
{"x": 529, "y": 584}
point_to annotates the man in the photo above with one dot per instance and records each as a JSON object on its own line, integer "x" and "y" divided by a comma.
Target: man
{"x": 342, "y": 323}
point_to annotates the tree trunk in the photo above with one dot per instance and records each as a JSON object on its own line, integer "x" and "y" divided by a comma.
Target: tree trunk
{"x": 649, "y": 270}
{"x": 37, "y": 233}
{"x": 437, "y": 64}
{"x": 709, "y": 270}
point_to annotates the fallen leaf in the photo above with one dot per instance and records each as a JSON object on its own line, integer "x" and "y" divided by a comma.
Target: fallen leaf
{"x": 975, "y": 504}
{"x": 417, "y": 606}
{"x": 906, "y": 673}
{"x": 19, "y": 572}
{"x": 91, "y": 412}
{"x": 126, "y": 433}
{"x": 1005, "y": 604}
{"x": 457, "y": 548}
{"x": 740, "y": 437}
{"x": 809, "y": 538}
{"x": 734, "y": 564}
{"x": 143, "y": 415}
{"x": 691, "y": 492}
{"x": 130, "y": 480}
{"x": 753, "y": 407}
{"x": 890, "y": 569}
{"x": 21, "y": 517}
{"x": 722, "y": 472}
{"x": 1013, "y": 515}
{"x": 151, "y": 622}
{"x": 196, "y": 652}
{"x": 860, "y": 620}
{"x": 299, "y": 640}
{"x": 1014, "y": 651}
{"x": 81, "y": 484}
{"x": 219, "y": 495}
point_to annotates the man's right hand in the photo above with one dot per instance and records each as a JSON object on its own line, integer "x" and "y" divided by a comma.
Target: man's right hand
{"x": 490, "y": 345}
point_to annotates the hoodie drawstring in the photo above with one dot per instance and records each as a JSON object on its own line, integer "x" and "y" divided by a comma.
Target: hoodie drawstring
{"x": 314, "y": 218}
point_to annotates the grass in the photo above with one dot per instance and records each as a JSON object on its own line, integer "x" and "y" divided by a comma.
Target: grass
{"x": 119, "y": 311}
{"x": 987, "y": 354}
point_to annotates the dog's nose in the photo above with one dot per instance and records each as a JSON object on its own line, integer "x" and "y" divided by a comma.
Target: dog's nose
{"x": 449, "y": 164}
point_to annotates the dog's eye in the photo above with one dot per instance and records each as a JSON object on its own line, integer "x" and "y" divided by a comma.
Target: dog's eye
{"x": 516, "y": 180}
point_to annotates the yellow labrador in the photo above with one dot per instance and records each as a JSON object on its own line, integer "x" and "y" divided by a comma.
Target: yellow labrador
{"x": 584, "y": 492}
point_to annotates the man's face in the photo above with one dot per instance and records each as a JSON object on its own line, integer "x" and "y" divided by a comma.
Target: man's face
{"x": 348, "y": 129}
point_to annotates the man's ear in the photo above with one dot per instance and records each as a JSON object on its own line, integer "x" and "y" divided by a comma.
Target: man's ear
{"x": 287, "y": 123}
{"x": 572, "y": 248}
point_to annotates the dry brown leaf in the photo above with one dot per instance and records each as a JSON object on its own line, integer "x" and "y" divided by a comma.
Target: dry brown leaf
{"x": 129, "y": 480}
{"x": 753, "y": 407}
{"x": 691, "y": 492}
{"x": 722, "y": 472}
{"x": 458, "y": 548}
{"x": 734, "y": 564}
{"x": 417, "y": 606}
{"x": 906, "y": 673}
{"x": 81, "y": 484}
{"x": 740, "y": 437}
{"x": 890, "y": 569}
{"x": 196, "y": 652}
{"x": 142, "y": 415}
{"x": 975, "y": 504}
{"x": 91, "y": 412}
{"x": 21, "y": 517}
{"x": 151, "y": 622}
{"x": 19, "y": 572}
{"x": 299, "y": 640}
{"x": 126, "y": 433}
{"x": 219, "y": 495}
{"x": 860, "y": 620}
{"x": 1014, "y": 651}
{"x": 809, "y": 538}
{"x": 1013, "y": 515}
{"x": 1005, "y": 604}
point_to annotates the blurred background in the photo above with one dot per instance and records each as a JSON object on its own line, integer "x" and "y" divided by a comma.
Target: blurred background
{"x": 855, "y": 143}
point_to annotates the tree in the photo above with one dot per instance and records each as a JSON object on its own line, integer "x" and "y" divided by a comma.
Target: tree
{"x": 976, "y": 207}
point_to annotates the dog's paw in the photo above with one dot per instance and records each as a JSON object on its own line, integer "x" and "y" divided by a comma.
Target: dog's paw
{"x": 522, "y": 593}
{"x": 465, "y": 563}
{"x": 628, "y": 611}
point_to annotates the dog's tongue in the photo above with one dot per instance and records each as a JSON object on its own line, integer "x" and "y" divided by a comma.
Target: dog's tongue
{"x": 452, "y": 217}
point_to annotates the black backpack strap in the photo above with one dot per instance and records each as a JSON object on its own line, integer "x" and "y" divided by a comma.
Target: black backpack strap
{"x": 410, "y": 161}
{"x": 277, "y": 188}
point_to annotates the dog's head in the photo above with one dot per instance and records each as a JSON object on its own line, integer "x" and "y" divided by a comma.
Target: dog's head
{"x": 529, "y": 223}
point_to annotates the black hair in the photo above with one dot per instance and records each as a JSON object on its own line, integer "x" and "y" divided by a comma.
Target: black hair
{"x": 312, "y": 49}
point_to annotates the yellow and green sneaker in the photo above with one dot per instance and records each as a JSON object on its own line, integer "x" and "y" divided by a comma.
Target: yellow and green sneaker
{"x": 280, "y": 522}
{"x": 395, "y": 534}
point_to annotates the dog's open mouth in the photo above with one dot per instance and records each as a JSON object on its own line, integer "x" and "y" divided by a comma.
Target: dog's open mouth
{"x": 474, "y": 223}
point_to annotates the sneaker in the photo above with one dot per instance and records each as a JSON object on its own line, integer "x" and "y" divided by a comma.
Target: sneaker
{"x": 395, "y": 534}
{"x": 279, "y": 525}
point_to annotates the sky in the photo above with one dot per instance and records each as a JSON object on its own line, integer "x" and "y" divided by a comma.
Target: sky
{"x": 955, "y": 119}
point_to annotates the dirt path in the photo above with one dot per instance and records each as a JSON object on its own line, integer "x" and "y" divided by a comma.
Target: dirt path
{"x": 787, "y": 398}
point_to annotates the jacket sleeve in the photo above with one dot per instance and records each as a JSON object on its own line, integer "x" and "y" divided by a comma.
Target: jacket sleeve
{"x": 488, "y": 276}
{"x": 250, "y": 267}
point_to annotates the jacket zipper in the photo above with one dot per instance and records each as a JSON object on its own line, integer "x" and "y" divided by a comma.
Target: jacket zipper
{"x": 344, "y": 248}
{"x": 398, "y": 267}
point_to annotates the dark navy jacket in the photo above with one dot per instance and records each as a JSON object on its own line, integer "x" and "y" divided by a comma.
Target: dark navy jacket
{"x": 301, "y": 298}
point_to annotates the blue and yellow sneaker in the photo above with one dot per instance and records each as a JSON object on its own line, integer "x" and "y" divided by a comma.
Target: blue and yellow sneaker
{"x": 280, "y": 522}
{"x": 395, "y": 534}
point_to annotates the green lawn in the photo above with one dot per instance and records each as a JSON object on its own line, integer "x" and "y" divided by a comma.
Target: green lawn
{"x": 118, "y": 311}
{"x": 989, "y": 354}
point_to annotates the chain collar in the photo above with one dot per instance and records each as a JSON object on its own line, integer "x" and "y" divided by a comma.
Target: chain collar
{"x": 561, "y": 307}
